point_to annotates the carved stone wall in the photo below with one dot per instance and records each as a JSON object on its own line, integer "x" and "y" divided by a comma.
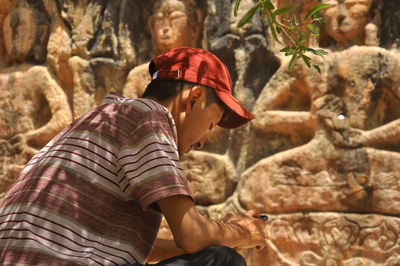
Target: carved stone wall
{"x": 322, "y": 157}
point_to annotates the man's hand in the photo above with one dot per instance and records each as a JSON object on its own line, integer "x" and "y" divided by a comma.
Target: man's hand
{"x": 254, "y": 224}
{"x": 194, "y": 232}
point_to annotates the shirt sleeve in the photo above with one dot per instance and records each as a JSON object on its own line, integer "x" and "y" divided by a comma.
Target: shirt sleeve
{"x": 150, "y": 167}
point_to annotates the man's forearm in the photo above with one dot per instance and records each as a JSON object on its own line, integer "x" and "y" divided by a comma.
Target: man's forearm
{"x": 210, "y": 232}
{"x": 193, "y": 232}
{"x": 164, "y": 249}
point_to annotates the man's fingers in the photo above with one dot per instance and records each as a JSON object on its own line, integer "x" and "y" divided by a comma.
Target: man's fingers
{"x": 252, "y": 213}
{"x": 228, "y": 217}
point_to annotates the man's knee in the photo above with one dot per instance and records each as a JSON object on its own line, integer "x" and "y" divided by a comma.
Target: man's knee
{"x": 226, "y": 256}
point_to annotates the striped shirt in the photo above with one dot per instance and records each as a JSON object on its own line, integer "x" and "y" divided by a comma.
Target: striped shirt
{"x": 89, "y": 196}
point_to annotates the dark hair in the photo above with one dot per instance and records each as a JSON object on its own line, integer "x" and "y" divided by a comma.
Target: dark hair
{"x": 163, "y": 89}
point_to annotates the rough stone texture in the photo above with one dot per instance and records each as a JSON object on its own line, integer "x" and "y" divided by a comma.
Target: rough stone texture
{"x": 322, "y": 157}
{"x": 172, "y": 24}
{"x": 350, "y": 23}
{"x": 390, "y": 33}
{"x": 59, "y": 49}
{"x": 328, "y": 238}
{"x": 210, "y": 176}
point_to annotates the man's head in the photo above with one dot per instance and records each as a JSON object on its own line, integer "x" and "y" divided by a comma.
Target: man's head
{"x": 174, "y": 23}
{"x": 196, "y": 87}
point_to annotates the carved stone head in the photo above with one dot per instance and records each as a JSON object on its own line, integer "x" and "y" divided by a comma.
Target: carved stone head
{"x": 25, "y": 35}
{"x": 346, "y": 19}
{"x": 174, "y": 23}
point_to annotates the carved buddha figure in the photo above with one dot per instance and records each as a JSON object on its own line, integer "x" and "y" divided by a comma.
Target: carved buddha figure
{"x": 348, "y": 22}
{"x": 354, "y": 117}
{"x": 174, "y": 23}
{"x": 33, "y": 107}
{"x": 25, "y": 32}
{"x": 350, "y": 164}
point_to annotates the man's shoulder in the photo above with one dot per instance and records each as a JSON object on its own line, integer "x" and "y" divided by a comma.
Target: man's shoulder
{"x": 146, "y": 114}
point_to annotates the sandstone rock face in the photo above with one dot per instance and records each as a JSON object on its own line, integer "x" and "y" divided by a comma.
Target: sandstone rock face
{"x": 328, "y": 238}
{"x": 210, "y": 176}
{"x": 322, "y": 156}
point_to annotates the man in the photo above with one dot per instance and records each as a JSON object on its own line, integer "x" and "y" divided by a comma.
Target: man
{"x": 96, "y": 193}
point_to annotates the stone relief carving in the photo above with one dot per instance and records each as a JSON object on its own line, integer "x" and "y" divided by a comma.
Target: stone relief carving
{"x": 354, "y": 119}
{"x": 100, "y": 50}
{"x": 173, "y": 23}
{"x": 322, "y": 148}
{"x": 330, "y": 239}
{"x": 349, "y": 23}
{"x": 34, "y": 107}
{"x": 211, "y": 176}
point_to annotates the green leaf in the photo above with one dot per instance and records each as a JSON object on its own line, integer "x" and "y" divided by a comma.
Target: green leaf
{"x": 293, "y": 61}
{"x": 314, "y": 29}
{"x": 278, "y": 29}
{"x": 269, "y": 5}
{"x": 283, "y": 10}
{"x": 302, "y": 39}
{"x": 236, "y": 7}
{"x": 315, "y": 10}
{"x": 317, "y": 68}
{"x": 296, "y": 21}
{"x": 271, "y": 26}
{"x": 306, "y": 60}
{"x": 321, "y": 52}
{"x": 289, "y": 22}
{"x": 318, "y": 52}
{"x": 288, "y": 50}
{"x": 248, "y": 16}
{"x": 319, "y": 19}
{"x": 312, "y": 51}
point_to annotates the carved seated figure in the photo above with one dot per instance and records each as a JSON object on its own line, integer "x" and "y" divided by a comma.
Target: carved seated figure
{"x": 174, "y": 23}
{"x": 352, "y": 162}
{"x": 354, "y": 117}
{"x": 33, "y": 108}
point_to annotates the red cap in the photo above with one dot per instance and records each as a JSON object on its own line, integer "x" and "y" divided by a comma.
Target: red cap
{"x": 202, "y": 67}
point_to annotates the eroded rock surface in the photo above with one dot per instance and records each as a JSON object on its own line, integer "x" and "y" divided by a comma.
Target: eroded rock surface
{"x": 322, "y": 157}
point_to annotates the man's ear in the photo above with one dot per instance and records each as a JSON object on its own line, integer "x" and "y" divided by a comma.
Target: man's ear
{"x": 193, "y": 98}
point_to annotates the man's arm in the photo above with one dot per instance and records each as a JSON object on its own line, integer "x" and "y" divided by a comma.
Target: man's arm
{"x": 194, "y": 232}
{"x": 164, "y": 249}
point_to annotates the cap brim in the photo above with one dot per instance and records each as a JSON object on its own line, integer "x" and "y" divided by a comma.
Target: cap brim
{"x": 236, "y": 115}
